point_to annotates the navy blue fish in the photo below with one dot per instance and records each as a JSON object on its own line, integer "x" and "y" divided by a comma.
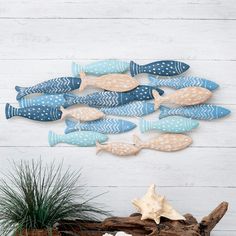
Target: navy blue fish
{"x": 53, "y": 86}
{"x": 183, "y": 82}
{"x": 112, "y": 99}
{"x": 198, "y": 112}
{"x": 162, "y": 68}
{"x": 104, "y": 126}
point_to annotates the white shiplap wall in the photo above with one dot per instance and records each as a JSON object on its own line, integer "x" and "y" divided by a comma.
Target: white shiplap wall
{"x": 38, "y": 41}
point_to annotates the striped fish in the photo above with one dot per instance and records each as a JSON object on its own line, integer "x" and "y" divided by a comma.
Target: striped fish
{"x": 53, "y": 86}
{"x": 199, "y": 112}
{"x": 112, "y": 99}
{"x": 183, "y": 82}
{"x": 162, "y": 68}
{"x": 104, "y": 126}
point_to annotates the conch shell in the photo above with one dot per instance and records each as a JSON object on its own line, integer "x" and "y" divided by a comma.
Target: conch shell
{"x": 154, "y": 206}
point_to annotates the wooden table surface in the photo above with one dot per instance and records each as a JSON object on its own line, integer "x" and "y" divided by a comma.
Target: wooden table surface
{"x": 40, "y": 39}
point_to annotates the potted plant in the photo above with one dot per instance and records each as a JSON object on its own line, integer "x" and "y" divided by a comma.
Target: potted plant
{"x": 34, "y": 197}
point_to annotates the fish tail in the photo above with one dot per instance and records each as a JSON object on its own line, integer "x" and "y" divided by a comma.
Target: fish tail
{"x": 70, "y": 126}
{"x": 137, "y": 141}
{"x": 21, "y": 92}
{"x": 134, "y": 68}
{"x": 64, "y": 111}
{"x": 76, "y": 69}
{"x": 157, "y": 99}
{"x": 84, "y": 81}
{"x": 70, "y": 99}
{"x": 144, "y": 125}
{"x": 24, "y": 102}
{"x": 10, "y": 111}
{"x": 53, "y": 138}
{"x": 153, "y": 81}
{"x": 164, "y": 112}
{"x": 98, "y": 147}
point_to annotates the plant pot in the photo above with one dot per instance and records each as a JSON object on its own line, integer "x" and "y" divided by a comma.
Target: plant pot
{"x": 39, "y": 232}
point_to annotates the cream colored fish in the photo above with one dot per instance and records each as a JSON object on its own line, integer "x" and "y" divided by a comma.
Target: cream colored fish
{"x": 82, "y": 113}
{"x": 164, "y": 142}
{"x": 111, "y": 82}
{"x": 183, "y": 97}
{"x": 119, "y": 149}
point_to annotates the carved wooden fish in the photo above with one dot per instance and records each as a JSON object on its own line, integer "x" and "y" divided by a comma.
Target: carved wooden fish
{"x": 112, "y": 99}
{"x": 104, "y": 126}
{"x": 53, "y": 86}
{"x": 198, "y": 112}
{"x": 184, "y": 97}
{"x": 183, "y": 82}
{"x": 111, "y": 82}
{"x": 79, "y": 138}
{"x": 164, "y": 142}
{"x": 119, "y": 149}
{"x": 172, "y": 124}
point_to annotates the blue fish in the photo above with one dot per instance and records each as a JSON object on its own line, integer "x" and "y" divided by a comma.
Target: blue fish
{"x": 162, "y": 68}
{"x": 172, "y": 124}
{"x": 139, "y": 108}
{"x": 112, "y": 99}
{"x": 101, "y": 67}
{"x": 39, "y": 113}
{"x": 183, "y": 82}
{"x": 104, "y": 126}
{"x": 54, "y": 100}
{"x": 53, "y": 86}
{"x": 199, "y": 112}
{"x": 79, "y": 138}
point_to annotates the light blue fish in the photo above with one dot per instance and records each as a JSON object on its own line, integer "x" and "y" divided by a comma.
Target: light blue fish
{"x": 139, "y": 108}
{"x": 199, "y": 112}
{"x": 183, "y": 82}
{"x": 101, "y": 67}
{"x": 104, "y": 126}
{"x": 79, "y": 138}
{"x": 172, "y": 124}
{"x": 49, "y": 100}
{"x": 52, "y": 86}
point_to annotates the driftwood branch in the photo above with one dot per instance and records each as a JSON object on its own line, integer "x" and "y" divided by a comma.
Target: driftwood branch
{"x": 137, "y": 227}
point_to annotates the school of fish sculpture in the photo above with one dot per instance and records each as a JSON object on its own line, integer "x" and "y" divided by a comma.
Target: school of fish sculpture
{"x": 42, "y": 113}
{"x": 162, "y": 68}
{"x": 112, "y": 99}
{"x": 79, "y": 138}
{"x": 111, "y": 82}
{"x": 183, "y": 82}
{"x": 52, "y": 86}
{"x": 104, "y": 126}
{"x": 171, "y": 124}
{"x": 198, "y": 112}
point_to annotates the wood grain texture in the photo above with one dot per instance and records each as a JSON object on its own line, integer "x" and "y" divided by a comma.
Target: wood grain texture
{"x": 39, "y": 41}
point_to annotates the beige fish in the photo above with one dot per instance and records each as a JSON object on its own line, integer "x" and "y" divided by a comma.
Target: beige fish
{"x": 119, "y": 149}
{"x": 165, "y": 142}
{"x": 82, "y": 113}
{"x": 154, "y": 206}
{"x": 183, "y": 97}
{"x": 111, "y": 82}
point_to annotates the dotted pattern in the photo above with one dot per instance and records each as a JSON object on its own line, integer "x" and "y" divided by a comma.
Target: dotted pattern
{"x": 199, "y": 112}
{"x": 183, "y": 82}
{"x": 172, "y": 124}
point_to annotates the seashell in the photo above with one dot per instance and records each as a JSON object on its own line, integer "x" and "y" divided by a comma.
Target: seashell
{"x": 154, "y": 206}
{"x": 111, "y": 82}
{"x": 164, "y": 142}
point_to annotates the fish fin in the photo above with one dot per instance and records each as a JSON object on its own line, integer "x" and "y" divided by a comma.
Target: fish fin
{"x": 76, "y": 69}
{"x": 157, "y": 99}
{"x": 53, "y": 138}
{"x": 10, "y": 111}
{"x": 98, "y": 147}
{"x": 84, "y": 82}
{"x": 137, "y": 141}
{"x": 21, "y": 92}
{"x": 134, "y": 68}
{"x": 164, "y": 111}
{"x": 70, "y": 125}
{"x": 152, "y": 81}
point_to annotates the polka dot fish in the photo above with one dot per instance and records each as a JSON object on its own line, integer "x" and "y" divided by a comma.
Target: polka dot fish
{"x": 172, "y": 124}
{"x": 162, "y": 68}
{"x": 112, "y": 99}
{"x": 53, "y": 86}
{"x": 105, "y": 126}
{"x": 183, "y": 82}
{"x": 199, "y": 112}
{"x": 79, "y": 138}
